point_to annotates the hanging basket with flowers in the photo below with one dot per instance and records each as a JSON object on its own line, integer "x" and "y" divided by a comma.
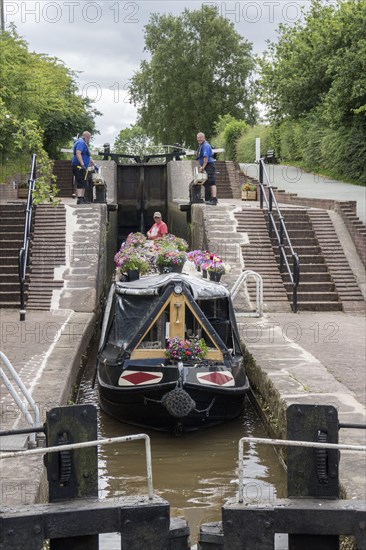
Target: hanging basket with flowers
{"x": 192, "y": 349}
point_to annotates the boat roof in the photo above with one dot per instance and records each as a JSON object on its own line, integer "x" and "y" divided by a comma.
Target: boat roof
{"x": 200, "y": 288}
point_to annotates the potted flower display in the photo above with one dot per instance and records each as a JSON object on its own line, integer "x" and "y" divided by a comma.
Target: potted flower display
{"x": 248, "y": 192}
{"x": 171, "y": 241}
{"x": 215, "y": 267}
{"x": 136, "y": 240}
{"x": 168, "y": 259}
{"x": 198, "y": 257}
{"x": 192, "y": 349}
{"x": 131, "y": 263}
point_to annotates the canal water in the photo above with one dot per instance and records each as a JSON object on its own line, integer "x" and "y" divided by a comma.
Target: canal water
{"x": 195, "y": 472}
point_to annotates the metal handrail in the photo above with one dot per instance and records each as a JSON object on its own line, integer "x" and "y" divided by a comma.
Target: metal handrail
{"x": 259, "y": 290}
{"x": 286, "y": 443}
{"x": 85, "y": 444}
{"x": 23, "y": 252}
{"x": 23, "y": 390}
{"x": 282, "y": 236}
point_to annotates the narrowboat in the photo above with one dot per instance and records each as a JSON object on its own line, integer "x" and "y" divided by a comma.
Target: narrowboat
{"x": 169, "y": 356}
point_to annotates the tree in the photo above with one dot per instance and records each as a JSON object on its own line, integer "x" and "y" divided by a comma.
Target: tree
{"x": 42, "y": 89}
{"x": 319, "y": 64}
{"x": 134, "y": 141}
{"x": 313, "y": 81}
{"x": 200, "y": 68}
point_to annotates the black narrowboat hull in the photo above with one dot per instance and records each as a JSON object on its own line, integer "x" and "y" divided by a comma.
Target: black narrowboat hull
{"x": 164, "y": 408}
{"x": 170, "y": 357}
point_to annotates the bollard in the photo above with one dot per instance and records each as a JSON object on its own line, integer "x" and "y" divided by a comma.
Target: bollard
{"x": 72, "y": 474}
{"x": 100, "y": 193}
{"x": 195, "y": 194}
{"x": 312, "y": 472}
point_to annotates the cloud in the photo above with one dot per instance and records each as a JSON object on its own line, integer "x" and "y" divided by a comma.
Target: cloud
{"x": 103, "y": 41}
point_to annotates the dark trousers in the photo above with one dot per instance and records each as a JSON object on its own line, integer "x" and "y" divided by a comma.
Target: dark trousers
{"x": 79, "y": 174}
{"x": 211, "y": 180}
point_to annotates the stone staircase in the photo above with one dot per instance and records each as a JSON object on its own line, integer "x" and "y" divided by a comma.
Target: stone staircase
{"x": 258, "y": 255}
{"x": 227, "y": 180}
{"x": 356, "y": 228}
{"x": 12, "y": 218}
{"x": 326, "y": 280}
{"x": 316, "y": 290}
{"x": 63, "y": 172}
{"x": 47, "y": 253}
{"x": 339, "y": 268}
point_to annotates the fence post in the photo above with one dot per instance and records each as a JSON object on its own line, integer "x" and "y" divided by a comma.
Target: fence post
{"x": 72, "y": 474}
{"x": 261, "y": 184}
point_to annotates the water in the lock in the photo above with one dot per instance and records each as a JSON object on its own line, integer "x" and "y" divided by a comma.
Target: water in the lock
{"x": 195, "y": 473}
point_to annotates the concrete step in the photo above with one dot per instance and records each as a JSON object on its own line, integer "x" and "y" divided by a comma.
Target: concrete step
{"x": 309, "y": 277}
{"x": 298, "y": 243}
{"x": 313, "y": 268}
{"x": 312, "y": 287}
{"x": 317, "y": 296}
{"x": 9, "y": 269}
{"x": 319, "y": 306}
{"x": 6, "y": 222}
{"x": 305, "y": 259}
{"x": 9, "y": 236}
{"x": 12, "y": 296}
{"x": 7, "y": 251}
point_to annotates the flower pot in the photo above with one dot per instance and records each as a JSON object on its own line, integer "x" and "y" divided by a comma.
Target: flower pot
{"x": 133, "y": 274}
{"x": 177, "y": 268}
{"x": 171, "y": 269}
{"x": 204, "y": 273}
{"x": 215, "y": 276}
{"x": 249, "y": 195}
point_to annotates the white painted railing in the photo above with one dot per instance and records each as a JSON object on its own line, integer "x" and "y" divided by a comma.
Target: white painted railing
{"x": 34, "y": 423}
{"x": 85, "y": 444}
{"x": 258, "y": 294}
{"x": 286, "y": 443}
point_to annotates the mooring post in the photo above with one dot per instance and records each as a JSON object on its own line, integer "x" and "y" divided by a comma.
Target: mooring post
{"x": 312, "y": 473}
{"x": 72, "y": 474}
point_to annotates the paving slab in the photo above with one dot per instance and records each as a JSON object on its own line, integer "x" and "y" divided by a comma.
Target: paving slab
{"x": 313, "y": 358}
{"x": 46, "y": 351}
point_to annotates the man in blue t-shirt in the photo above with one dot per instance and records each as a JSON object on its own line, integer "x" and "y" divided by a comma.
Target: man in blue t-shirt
{"x": 80, "y": 163}
{"x": 206, "y": 160}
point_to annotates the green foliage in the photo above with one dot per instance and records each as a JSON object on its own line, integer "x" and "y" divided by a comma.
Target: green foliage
{"x": 245, "y": 146}
{"x": 134, "y": 141}
{"x": 337, "y": 152}
{"x": 199, "y": 69}
{"x": 233, "y": 131}
{"x": 218, "y": 139}
{"x": 228, "y": 131}
{"x": 320, "y": 62}
{"x": 41, "y": 89}
{"x": 290, "y": 147}
{"x": 313, "y": 81}
{"x": 29, "y": 137}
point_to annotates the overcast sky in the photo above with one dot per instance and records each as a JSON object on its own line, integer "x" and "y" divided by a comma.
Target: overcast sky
{"x": 104, "y": 41}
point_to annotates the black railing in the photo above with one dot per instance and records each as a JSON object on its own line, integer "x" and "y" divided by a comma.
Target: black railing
{"x": 23, "y": 252}
{"x": 282, "y": 236}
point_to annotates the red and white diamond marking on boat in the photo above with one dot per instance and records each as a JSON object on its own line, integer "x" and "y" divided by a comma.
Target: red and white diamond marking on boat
{"x": 139, "y": 378}
{"x": 216, "y": 378}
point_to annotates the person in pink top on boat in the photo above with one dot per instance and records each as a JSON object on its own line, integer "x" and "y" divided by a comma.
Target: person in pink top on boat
{"x": 158, "y": 229}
